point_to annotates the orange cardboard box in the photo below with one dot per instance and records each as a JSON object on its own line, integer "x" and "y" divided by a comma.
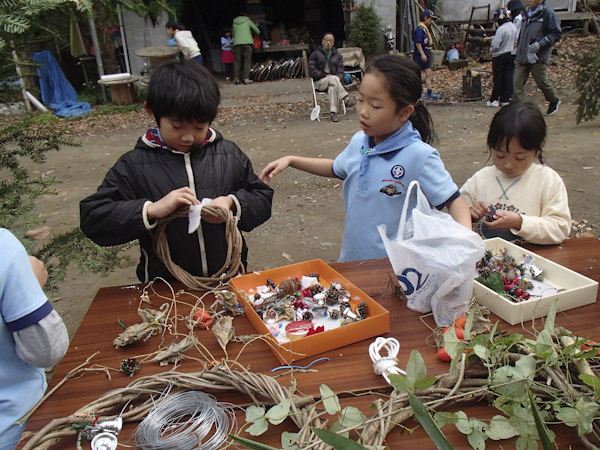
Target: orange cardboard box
{"x": 377, "y": 322}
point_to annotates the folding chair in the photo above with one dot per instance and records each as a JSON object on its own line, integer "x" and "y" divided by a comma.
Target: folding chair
{"x": 316, "y": 112}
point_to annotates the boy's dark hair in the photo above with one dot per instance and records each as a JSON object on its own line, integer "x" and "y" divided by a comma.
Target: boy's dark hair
{"x": 174, "y": 25}
{"x": 183, "y": 90}
{"x": 518, "y": 120}
{"x": 403, "y": 79}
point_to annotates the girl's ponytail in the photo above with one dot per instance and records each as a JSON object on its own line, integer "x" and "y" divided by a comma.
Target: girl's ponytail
{"x": 403, "y": 78}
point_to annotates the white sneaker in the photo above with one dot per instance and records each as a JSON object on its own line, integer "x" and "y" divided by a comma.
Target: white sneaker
{"x": 493, "y": 104}
{"x": 504, "y": 103}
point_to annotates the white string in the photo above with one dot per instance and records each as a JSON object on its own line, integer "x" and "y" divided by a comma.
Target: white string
{"x": 385, "y": 365}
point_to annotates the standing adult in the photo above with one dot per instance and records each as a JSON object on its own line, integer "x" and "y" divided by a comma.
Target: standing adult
{"x": 516, "y": 13}
{"x": 540, "y": 30}
{"x": 423, "y": 42}
{"x": 243, "y": 43}
{"x": 326, "y": 68}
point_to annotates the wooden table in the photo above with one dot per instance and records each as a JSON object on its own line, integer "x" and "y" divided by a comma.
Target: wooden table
{"x": 288, "y": 48}
{"x": 122, "y": 92}
{"x": 350, "y": 368}
{"x": 158, "y": 54}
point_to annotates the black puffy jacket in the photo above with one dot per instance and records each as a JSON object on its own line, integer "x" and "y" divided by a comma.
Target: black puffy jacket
{"x": 318, "y": 59}
{"x": 113, "y": 215}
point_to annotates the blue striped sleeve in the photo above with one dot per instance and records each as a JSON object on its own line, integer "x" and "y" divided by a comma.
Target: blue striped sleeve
{"x": 450, "y": 200}
{"x": 31, "y": 318}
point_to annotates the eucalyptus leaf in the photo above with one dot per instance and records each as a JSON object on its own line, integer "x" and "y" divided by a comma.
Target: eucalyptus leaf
{"x": 549, "y": 326}
{"x": 494, "y": 281}
{"x": 568, "y": 415}
{"x": 249, "y": 443}
{"x": 445, "y": 418}
{"x": 351, "y": 417}
{"x": 426, "y": 421}
{"x": 477, "y": 439}
{"x": 286, "y": 441}
{"x": 400, "y": 382}
{"x": 336, "y": 427}
{"x": 544, "y": 344}
{"x": 493, "y": 332}
{"x": 587, "y": 411}
{"x": 463, "y": 424}
{"x": 500, "y": 428}
{"x": 526, "y": 443}
{"x": 469, "y": 324}
{"x": 330, "y": 400}
{"x": 278, "y": 413}
{"x": 335, "y": 440}
{"x": 539, "y": 424}
{"x": 259, "y": 426}
{"x": 254, "y": 412}
{"x": 415, "y": 368}
{"x": 591, "y": 380}
{"x": 482, "y": 352}
{"x": 453, "y": 346}
{"x": 526, "y": 366}
{"x": 425, "y": 383}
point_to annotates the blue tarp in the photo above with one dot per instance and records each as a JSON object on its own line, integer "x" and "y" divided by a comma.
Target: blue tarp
{"x": 57, "y": 92}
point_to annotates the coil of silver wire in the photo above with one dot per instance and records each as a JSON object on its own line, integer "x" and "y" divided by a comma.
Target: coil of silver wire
{"x": 183, "y": 421}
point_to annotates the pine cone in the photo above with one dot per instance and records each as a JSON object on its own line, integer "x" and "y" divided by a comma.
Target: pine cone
{"x": 332, "y": 296}
{"x": 344, "y": 306}
{"x": 485, "y": 272}
{"x": 308, "y": 316}
{"x": 288, "y": 286}
{"x": 314, "y": 275}
{"x": 362, "y": 310}
{"x": 130, "y": 366}
{"x": 315, "y": 289}
{"x": 524, "y": 284}
{"x": 334, "y": 313}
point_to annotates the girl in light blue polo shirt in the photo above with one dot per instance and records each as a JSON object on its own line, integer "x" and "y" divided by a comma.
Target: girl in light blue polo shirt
{"x": 381, "y": 160}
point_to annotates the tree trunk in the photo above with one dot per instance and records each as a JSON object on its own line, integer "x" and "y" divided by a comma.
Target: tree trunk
{"x": 107, "y": 49}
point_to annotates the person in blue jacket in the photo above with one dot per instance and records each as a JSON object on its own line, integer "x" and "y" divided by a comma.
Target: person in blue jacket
{"x": 540, "y": 30}
{"x": 422, "y": 41}
{"x": 381, "y": 160}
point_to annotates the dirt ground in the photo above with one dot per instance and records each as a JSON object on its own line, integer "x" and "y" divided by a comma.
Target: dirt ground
{"x": 269, "y": 120}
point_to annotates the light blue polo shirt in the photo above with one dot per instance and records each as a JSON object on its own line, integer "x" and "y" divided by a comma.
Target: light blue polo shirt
{"x": 22, "y": 303}
{"x": 375, "y": 183}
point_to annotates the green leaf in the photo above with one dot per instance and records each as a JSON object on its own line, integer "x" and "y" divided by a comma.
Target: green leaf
{"x": 526, "y": 443}
{"x": 591, "y": 381}
{"x": 494, "y": 282}
{"x": 336, "y": 427}
{"x": 336, "y": 441}
{"x": 539, "y": 424}
{"x": 469, "y": 324}
{"x": 400, "y": 382}
{"x": 415, "y": 368}
{"x": 249, "y": 443}
{"x": 568, "y": 415}
{"x": 278, "y": 413}
{"x": 330, "y": 400}
{"x": 463, "y": 424}
{"x": 500, "y": 428}
{"x": 425, "y": 383}
{"x": 259, "y": 426}
{"x": 254, "y": 412}
{"x": 445, "y": 418}
{"x": 587, "y": 411}
{"x": 350, "y": 417}
{"x": 544, "y": 344}
{"x": 549, "y": 326}
{"x": 286, "y": 441}
{"x": 493, "y": 332}
{"x": 425, "y": 419}
{"x": 453, "y": 346}
{"x": 482, "y": 352}
{"x": 477, "y": 437}
{"x": 526, "y": 366}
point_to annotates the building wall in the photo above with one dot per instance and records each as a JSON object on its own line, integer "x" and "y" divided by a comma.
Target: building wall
{"x": 461, "y": 10}
{"x": 141, "y": 33}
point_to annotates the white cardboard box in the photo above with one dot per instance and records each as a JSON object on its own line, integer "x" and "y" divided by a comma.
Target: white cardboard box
{"x": 579, "y": 290}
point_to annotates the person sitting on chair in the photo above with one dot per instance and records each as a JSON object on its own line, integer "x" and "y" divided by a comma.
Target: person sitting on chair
{"x": 326, "y": 68}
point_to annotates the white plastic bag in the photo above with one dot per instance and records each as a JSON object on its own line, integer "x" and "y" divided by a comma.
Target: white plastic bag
{"x": 434, "y": 259}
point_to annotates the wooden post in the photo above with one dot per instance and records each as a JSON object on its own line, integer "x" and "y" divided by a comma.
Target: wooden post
{"x": 97, "y": 55}
{"x": 21, "y": 82}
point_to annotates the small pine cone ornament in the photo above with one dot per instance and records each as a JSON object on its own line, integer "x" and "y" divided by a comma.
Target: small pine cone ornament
{"x": 130, "y": 366}
{"x": 332, "y": 295}
{"x": 485, "y": 272}
{"x": 308, "y": 316}
{"x": 362, "y": 310}
{"x": 334, "y": 313}
{"x": 524, "y": 284}
{"x": 344, "y": 306}
{"x": 315, "y": 289}
{"x": 314, "y": 275}
{"x": 288, "y": 286}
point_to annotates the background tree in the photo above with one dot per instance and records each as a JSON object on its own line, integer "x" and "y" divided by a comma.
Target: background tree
{"x": 365, "y": 29}
{"x": 588, "y": 85}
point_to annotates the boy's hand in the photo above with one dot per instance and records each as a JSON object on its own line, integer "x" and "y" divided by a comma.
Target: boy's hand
{"x": 479, "y": 210}
{"x": 173, "y": 200}
{"x": 39, "y": 270}
{"x": 224, "y": 202}
{"x": 273, "y": 168}
{"x": 505, "y": 221}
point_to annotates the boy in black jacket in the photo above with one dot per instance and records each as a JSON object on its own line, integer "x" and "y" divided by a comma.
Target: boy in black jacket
{"x": 175, "y": 165}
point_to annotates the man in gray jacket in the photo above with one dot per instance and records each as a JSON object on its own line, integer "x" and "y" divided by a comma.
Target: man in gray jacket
{"x": 540, "y": 30}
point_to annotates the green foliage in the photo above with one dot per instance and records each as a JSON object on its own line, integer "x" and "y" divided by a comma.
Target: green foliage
{"x": 109, "y": 109}
{"x": 494, "y": 282}
{"x": 588, "y": 85}
{"x": 365, "y": 29}
{"x": 434, "y": 6}
{"x": 335, "y": 440}
{"x": 427, "y": 422}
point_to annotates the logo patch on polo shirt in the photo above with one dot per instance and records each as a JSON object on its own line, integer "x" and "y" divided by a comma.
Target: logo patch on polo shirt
{"x": 390, "y": 190}
{"x": 397, "y": 172}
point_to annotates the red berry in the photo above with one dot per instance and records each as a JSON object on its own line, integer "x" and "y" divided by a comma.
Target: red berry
{"x": 443, "y": 355}
{"x": 460, "y": 333}
{"x": 203, "y": 319}
{"x": 519, "y": 292}
{"x": 460, "y": 322}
